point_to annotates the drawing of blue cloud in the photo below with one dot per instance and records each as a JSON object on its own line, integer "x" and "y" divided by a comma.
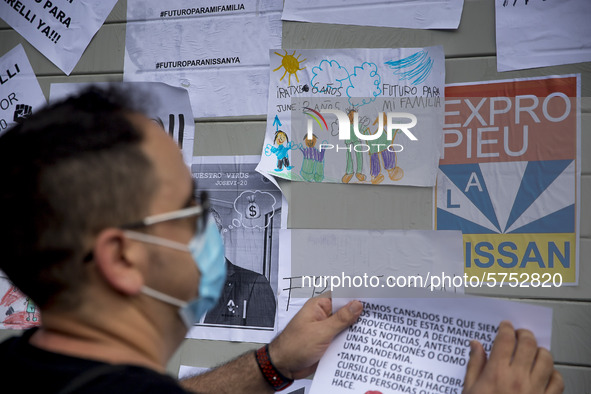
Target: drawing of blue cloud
{"x": 330, "y": 72}
{"x": 365, "y": 84}
{"x": 414, "y": 68}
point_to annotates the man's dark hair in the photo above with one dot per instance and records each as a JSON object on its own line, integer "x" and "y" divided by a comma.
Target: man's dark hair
{"x": 67, "y": 172}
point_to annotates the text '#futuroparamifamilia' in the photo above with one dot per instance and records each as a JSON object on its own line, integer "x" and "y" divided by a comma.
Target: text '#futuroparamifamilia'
{"x": 201, "y": 10}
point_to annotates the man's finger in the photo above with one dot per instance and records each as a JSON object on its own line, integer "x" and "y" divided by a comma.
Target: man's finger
{"x": 556, "y": 384}
{"x": 504, "y": 345}
{"x": 475, "y": 365}
{"x": 325, "y": 304}
{"x": 542, "y": 369}
{"x": 525, "y": 351}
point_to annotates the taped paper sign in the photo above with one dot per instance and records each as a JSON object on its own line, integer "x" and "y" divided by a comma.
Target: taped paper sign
{"x": 540, "y": 33}
{"x": 218, "y": 52}
{"x": 20, "y": 93}
{"x": 249, "y": 212}
{"x": 418, "y": 345}
{"x": 317, "y": 261}
{"x": 369, "y": 116}
{"x": 416, "y": 14}
{"x": 60, "y": 30}
{"x": 168, "y": 106}
{"x": 509, "y": 178}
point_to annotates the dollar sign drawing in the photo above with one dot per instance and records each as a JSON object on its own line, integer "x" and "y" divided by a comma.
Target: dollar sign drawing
{"x": 253, "y": 209}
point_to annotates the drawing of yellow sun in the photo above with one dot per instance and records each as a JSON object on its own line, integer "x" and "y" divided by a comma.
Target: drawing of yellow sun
{"x": 291, "y": 64}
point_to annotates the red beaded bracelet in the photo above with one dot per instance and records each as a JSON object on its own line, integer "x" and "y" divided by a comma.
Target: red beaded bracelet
{"x": 275, "y": 378}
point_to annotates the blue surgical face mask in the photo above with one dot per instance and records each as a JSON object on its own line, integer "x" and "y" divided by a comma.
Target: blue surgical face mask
{"x": 207, "y": 249}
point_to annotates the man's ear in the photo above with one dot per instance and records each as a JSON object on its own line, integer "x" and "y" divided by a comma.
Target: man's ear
{"x": 119, "y": 261}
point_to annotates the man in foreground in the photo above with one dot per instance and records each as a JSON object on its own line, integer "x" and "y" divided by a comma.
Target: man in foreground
{"x": 101, "y": 228}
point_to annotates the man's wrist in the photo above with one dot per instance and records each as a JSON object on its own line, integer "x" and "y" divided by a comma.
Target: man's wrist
{"x": 276, "y": 379}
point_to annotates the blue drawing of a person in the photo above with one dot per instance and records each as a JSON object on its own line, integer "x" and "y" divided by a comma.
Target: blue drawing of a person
{"x": 281, "y": 150}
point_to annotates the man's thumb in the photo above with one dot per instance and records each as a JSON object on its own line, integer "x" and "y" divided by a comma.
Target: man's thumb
{"x": 346, "y": 316}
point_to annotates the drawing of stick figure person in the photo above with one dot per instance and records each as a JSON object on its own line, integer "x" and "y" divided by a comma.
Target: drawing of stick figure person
{"x": 281, "y": 150}
{"x": 382, "y": 147}
{"x": 351, "y": 143}
{"x": 313, "y": 164}
{"x": 31, "y": 308}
